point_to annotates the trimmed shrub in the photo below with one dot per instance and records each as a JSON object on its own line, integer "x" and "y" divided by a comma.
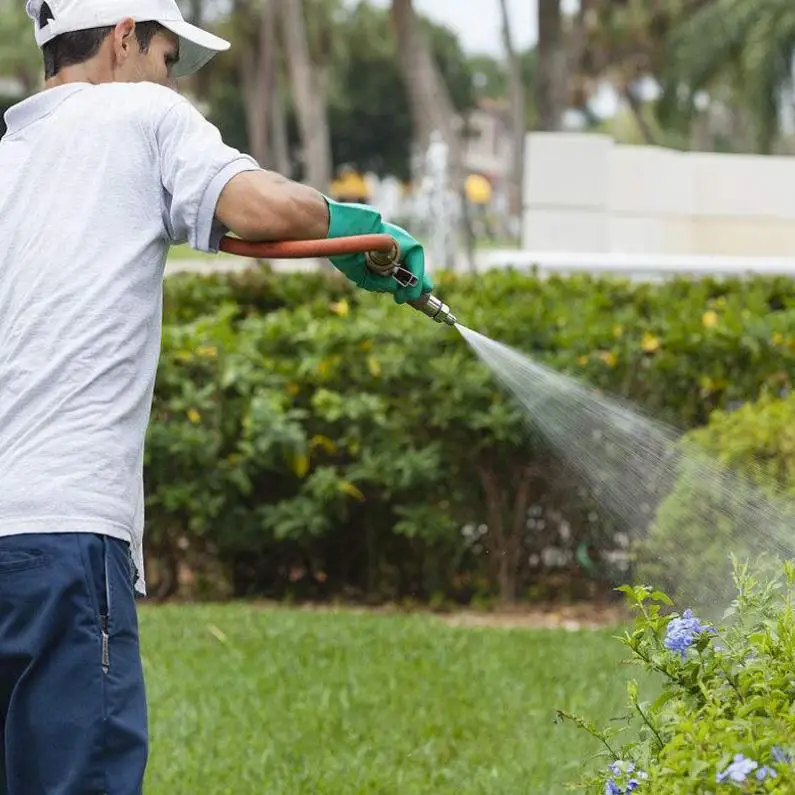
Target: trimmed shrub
{"x": 317, "y": 441}
{"x": 734, "y": 491}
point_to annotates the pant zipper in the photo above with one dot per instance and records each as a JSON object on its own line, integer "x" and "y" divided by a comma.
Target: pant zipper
{"x": 105, "y": 643}
{"x": 104, "y": 619}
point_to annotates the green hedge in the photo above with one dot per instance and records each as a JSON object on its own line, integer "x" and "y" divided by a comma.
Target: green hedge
{"x": 312, "y": 440}
{"x": 735, "y": 492}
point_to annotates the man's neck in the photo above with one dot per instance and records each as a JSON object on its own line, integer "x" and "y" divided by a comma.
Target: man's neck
{"x": 81, "y": 73}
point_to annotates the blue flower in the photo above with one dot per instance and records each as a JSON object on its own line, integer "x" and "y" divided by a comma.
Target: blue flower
{"x": 738, "y": 769}
{"x": 619, "y": 767}
{"x": 618, "y": 770}
{"x": 681, "y": 632}
{"x": 782, "y": 756}
{"x": 765, "y": 772}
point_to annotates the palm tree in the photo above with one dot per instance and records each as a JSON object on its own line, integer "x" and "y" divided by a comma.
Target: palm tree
{"x": 254, "y": 30}
{"x": 432, "y": 107}
{"x": 429, "y": 97}
{"x": 747, "y": 44}
{"x": 518, "y": 102}
{"x": 551, "y": 78}
{"x": 309, "y": 81}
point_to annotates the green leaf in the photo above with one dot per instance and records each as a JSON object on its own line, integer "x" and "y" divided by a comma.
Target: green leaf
{"x": 661, "y": 597}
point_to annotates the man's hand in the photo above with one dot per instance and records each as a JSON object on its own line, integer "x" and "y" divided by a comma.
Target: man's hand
{"x": 263, "y": 206}
{"x": 358, "y": 219}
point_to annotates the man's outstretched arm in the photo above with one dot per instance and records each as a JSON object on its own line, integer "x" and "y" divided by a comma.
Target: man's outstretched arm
{"x": 262, "y": 205}
{"x": 206, "y": 181}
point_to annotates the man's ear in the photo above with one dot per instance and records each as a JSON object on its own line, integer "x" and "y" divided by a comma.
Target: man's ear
{"x": 123, "y": 38}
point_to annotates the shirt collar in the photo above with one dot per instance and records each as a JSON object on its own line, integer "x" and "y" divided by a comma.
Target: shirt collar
{"x": 38, "y": 106}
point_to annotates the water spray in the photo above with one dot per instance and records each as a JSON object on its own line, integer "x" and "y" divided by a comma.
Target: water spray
{"x": 382, "y": 254}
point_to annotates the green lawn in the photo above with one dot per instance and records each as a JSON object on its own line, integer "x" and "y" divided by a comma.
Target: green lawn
{"x": 187, "y": 253}
{"x": 246, "y": 701}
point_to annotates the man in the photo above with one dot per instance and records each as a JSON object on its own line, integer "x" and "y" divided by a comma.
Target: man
{"x": 99, "y": 174}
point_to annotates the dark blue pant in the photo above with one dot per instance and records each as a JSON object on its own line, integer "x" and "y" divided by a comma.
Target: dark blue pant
{"x": 73, "y": 717}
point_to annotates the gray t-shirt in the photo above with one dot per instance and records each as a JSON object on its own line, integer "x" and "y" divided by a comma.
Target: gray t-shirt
{"x": 96, "y": 182}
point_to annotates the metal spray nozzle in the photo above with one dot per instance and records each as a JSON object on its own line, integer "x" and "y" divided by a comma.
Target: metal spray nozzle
{"x": 388, "y": 264}
{"x": 435, "y": 309}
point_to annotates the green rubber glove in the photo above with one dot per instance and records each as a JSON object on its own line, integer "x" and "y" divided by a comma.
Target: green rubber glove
{"x": 359, "y": 219}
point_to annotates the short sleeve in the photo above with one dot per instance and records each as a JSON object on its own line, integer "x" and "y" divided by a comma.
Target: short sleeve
{"x": 195, "y": 166}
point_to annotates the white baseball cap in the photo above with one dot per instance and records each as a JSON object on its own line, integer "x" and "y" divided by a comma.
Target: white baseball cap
{"x": 196, "y": 46}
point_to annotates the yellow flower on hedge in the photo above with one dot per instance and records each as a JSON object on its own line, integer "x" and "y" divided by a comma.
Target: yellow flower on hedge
{"x": 710, "y": 319}
{"x": 374, "y": 366}
{"x": 208, "y": 351}
{"x": 351, "y": 490}
{"x": 194, "y": 416}
{"x": 618, "y": 331}
{"x": 582, "y": 361}
{"x": 300, "y": 465}
{"x": 340, "y": 308}
{"x": 776, "y": 338}
{"x": 650, "y": 343}
{"x": 324, "y": 442}
{"x": 609, "y": 358}
{"x": 325, "y": 366}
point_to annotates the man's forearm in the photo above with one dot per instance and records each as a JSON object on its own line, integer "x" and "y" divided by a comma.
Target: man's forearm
{"x": 263, "y": 205}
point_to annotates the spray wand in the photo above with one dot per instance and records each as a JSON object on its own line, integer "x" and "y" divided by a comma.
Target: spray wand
{"x": 381, "y": 252}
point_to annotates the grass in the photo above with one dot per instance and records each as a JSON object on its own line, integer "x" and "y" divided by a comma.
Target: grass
{"x": 184, "y": 252}
{"x": 247, "y": 701}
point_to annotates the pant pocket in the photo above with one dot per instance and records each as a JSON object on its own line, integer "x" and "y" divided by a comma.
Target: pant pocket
{"x": 96, "y": 555}
{"x": 21, "y": 559}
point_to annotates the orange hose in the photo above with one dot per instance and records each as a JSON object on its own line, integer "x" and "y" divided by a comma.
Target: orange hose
{"x": 300, "y": 249}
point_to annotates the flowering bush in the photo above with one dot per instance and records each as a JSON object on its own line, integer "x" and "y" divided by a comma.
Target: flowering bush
{"x": 724, "y": 720}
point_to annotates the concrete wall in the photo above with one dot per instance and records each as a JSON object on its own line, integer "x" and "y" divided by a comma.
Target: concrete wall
{"x": 584, "y": 193}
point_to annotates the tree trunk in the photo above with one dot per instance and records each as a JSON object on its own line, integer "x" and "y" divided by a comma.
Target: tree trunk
{"x": 552, "y": 69}
{"x": 196, "y": 12}
{"x": 432, "y": 108}
{"x": 636, "y": 106}
{"x": 311, "y": 109}
{"x": 165, "y": 555}
{"x": 700, "y": 135}
{"x": 516, "y": 93}
{"x": 504, "y": 539}
{"x": 200, "y": 82}
{"x": 280, "y": 146}
{"x": 258, "y": 71}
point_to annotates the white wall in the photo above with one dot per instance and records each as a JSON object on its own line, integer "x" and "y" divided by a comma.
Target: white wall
{"x": 584, "y": 193}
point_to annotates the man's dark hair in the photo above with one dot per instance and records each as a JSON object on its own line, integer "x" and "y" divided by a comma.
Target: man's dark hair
{"x": 70, "y": 49}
